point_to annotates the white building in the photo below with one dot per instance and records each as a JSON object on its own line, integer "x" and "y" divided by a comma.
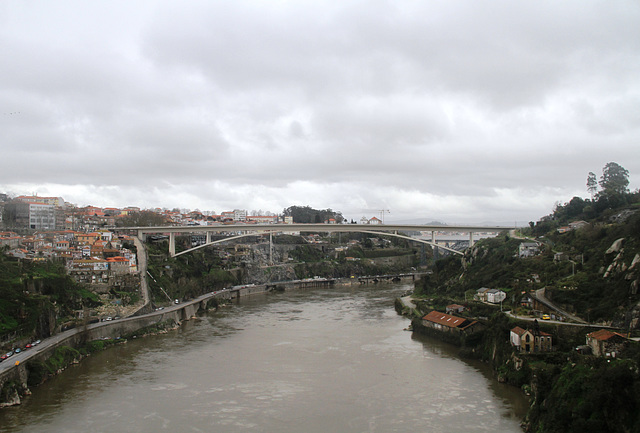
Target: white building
{"x": 528, "y": 249}
{"x": 495, "y": 296}
{"x": 239, "y": 215}
{"x": 42, "y": 216}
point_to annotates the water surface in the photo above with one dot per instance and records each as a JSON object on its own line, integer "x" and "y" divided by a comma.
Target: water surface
{"x": 331, "y": 360}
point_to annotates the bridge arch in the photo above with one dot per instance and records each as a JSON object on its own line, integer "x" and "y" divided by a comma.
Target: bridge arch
{"x": 219, "y": 241}
{"x": 375, "y": 232}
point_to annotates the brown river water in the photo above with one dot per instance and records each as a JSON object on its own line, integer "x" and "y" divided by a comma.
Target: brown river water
{"x": 327, "y": 360}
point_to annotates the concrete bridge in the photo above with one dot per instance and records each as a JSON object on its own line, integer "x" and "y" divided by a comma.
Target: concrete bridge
{"x": 236, "y": 231}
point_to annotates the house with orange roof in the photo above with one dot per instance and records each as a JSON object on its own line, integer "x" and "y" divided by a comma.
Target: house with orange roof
{"x": 32, "y": 243}
{"x": 454, "y": 308}
{"x": 263, "y": 219}
{"x": 129, "y": 210}
{"x": 9, "y": 239}
{"x": 61, "y": 244}
{"x": 119, "y": 265}
{"x": 87, "y": 238}
{"x": 530, "y": 340}
{"x": 606, "y": 343}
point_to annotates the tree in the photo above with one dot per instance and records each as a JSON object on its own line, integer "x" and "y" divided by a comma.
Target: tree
{"x": 142, "y": 219}
{"x": 592, "y": 184}
{"x": 306, "y": 214}
{"x": 614, "y": 180}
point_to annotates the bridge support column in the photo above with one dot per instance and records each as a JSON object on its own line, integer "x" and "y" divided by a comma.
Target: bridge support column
{"x": 172, "y": 244}
{"x": 271, "y": 248}
{"x": 208, "y": 237}
{"x": 142, "y": 236}
{"x": 433, "y": 239}
{"x": 470, "y": 239}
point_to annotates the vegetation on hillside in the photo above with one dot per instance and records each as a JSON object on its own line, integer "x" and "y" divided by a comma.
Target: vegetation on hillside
{"x": 186, "y": 276}
{"x": 592, "y": 269}
{"x": 32, "y": 294}
{"x": 571, "y": 264}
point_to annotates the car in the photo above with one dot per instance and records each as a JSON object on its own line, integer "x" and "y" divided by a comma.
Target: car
{"x": 3, "y": 357}
{"x": 176, "y": 302}
{"x": 546, "y": 317}
{"x": 18, "y": 350}
{"x": 9, "y": 354}
{"x": 28, "y": 345}
{"x": 35, "y": 343}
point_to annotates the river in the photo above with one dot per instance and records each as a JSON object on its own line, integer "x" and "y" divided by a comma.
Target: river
{"x": 326, "y": 360}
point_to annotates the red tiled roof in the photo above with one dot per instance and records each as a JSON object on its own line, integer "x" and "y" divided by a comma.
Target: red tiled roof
{"x": 117, "y": 259}
{"x": 518, "y": 330}
{"x": 604, "y": 334}
{"x": 444, "y": 319}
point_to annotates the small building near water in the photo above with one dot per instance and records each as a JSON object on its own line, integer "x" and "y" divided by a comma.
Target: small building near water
{"x": 447, "y": 323}
{"x": 530, "y": 340}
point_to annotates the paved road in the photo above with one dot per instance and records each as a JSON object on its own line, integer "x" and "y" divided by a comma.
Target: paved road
{"x": 540, "y": 296}
{"x": 558, "y": 322}
{"x": 56, "y": 339}
{"x": 407, "y": 301}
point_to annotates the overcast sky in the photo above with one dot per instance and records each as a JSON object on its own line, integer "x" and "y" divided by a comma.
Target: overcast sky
{"x": 457, "y": 111}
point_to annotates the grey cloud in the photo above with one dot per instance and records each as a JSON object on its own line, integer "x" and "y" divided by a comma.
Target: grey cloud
{"x": 432, "y": 106}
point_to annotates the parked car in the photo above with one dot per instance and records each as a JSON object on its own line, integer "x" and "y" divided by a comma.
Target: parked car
{"x": 546, "y": 317}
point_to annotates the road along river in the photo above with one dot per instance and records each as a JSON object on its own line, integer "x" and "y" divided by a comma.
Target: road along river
{"x": 326, "y": 360}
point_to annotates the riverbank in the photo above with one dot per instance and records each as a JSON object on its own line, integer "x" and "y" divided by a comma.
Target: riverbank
{"x": 490, "y": 345}
{"x": 30, "y": 368}
{"x": 567, "y": 391}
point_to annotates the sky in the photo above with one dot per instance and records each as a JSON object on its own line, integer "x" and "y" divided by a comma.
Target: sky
{"x": 480, "y": 112}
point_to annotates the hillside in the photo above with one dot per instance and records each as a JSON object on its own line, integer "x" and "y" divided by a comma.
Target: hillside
{"x": 592, "y": 270}
{"x": 586, "y": 255}
{"x": 35, "y": 297}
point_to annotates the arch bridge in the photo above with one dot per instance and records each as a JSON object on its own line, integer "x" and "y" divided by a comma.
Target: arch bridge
{"x": 237, "y": 231}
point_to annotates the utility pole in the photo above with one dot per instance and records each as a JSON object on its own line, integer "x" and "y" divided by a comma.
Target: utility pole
{"x": 382, "y": 212}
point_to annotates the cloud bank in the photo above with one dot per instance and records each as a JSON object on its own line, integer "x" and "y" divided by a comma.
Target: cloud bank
{"x": 456, "y": 111}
